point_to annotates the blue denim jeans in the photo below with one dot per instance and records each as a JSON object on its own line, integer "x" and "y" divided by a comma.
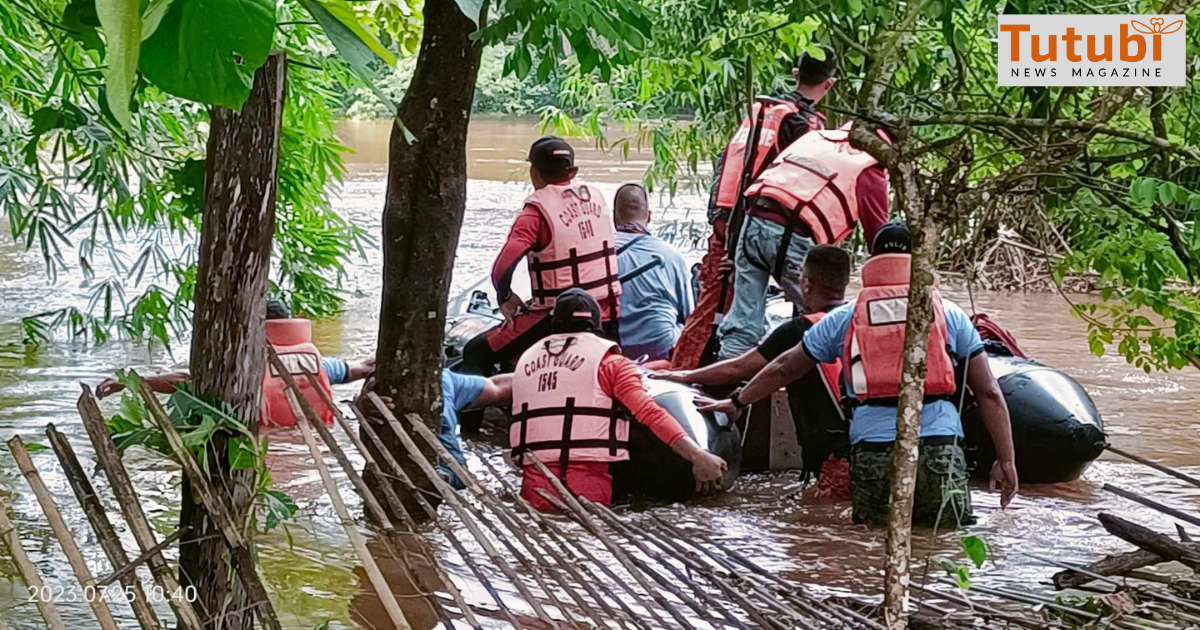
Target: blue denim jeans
{"x": 758, "y": 248}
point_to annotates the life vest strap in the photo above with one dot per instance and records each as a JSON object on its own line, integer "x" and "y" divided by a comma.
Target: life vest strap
{"x": 574, "y": 260}
{"x": 894, "y": 401}
{"x": 566, "y": 443}
{"x": 586, "y": 286}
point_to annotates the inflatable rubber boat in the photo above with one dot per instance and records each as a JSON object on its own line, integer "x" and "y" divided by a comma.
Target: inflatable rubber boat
{"x": 652, "y": 469}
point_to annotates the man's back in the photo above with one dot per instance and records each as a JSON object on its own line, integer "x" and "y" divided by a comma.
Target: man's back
{"x": 656, "y": 294}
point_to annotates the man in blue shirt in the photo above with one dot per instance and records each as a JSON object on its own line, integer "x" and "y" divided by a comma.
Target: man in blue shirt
{"x": 941, "y": 490}
{"x": 656, "y": 291}
{"x": 459, "y": 392}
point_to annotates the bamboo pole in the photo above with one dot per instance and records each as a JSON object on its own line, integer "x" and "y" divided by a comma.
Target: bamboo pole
{"x": 568, "y": 563}
{"x": 399, "y": 474}
{"x": 590, "y": 525}
{"x": 143, "y": 558}
{"x": 1156, "y": 466}
{"x": 302, "y": 407}
{"x": 451, "y": 498}
{"x": 374, "y": 575}
{"x": 29, "y": 572}
{"x": 63, "y": 533}
{"x": 131, "y": 509}
{"x": 1155, "y": 505}
{"x": 510, "y": 520}
{"x": 397, "y": 506}
{"x": 239, "y": 550}
{"x": 1096, "y": 576}
{"x": 962, "y": 600}
{"x": 103, "y": 528}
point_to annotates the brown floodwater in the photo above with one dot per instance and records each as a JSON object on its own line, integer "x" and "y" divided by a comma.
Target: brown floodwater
{"x": 314, "y": 577}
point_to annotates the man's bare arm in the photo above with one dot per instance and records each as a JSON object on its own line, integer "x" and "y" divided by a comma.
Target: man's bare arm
{"x": 724, "y": 372}
{"x": 497, "y": 390}
{"x": 995, "y": 417}
{"x": 786, "y": 368}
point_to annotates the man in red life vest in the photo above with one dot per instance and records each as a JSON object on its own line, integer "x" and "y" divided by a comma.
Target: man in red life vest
{"x": 867, "y": 336}
{"x": 783, "y": 123}
{"x": 292, "y": 339}
{"x": 569, "y": 391}
{"x": 565, "y": 231}
{"x": 813, "y": 193}
{"x": 815, "y": 399}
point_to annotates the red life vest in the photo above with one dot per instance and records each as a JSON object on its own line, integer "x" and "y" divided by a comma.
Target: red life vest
{"x": 560, "y": 412}
{"x": 292, "y": 340}
{"x": 582, "y": 251}
{"x": 768, "y": 139}
{"x": 815, "y": 180}
{"x": 831, "y": 373}
{"x": 873, "y": 352}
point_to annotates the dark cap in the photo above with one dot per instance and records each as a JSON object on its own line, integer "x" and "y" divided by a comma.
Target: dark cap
{"x": 575, "y": 310}
{"x": 812, "y": 70}
{"x": 893, "y": 238}
{"x": 277, "y": 309}
{"x": 551, "y": 155}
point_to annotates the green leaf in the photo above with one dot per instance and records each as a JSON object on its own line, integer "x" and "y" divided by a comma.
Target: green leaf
{"x": 1143, "y": 190}
{"x": 280, "y": 507}
{"x": 1166, "y": 193}
{"x": 471, "y": 8}
{"x": 153, "y": 16}
{"x": 976, "y": 549}
{"x": 241, "y": 454}
{"x": 352, "y": 48}
{"x": 81, "y": 21}
{"x": 122, "y": 24}
{"x": 34, "y": 447}
{"x": 208, "y": 50}
{"x": 962, "y": 577}
{"x": 336, "y": 18}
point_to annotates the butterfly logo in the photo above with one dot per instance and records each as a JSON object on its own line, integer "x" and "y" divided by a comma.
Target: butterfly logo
{"x": 1156, "y": 26}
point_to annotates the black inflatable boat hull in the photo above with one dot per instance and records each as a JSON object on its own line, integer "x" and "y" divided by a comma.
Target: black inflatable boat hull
{"x": 1057, "y": 431}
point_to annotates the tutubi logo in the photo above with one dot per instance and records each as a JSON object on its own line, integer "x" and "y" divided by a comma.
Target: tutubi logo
{"x": 1092, "y": 50}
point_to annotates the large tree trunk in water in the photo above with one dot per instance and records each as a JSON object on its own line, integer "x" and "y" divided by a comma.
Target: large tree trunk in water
{"x": 423, "y": 213}
{"x": 228, "y": 346}
{"x": 922, "y": 222}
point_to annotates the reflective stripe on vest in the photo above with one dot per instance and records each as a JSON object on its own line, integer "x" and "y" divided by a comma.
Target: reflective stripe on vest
{"x": 582, "y": 251}
{"x": 874, "y": 348}
{"x": 831, "y": 373}
{"x": 816, "y": 180}
{"x": 735, "y": 152}
{"x": 560, "y": 412}
{"x": 292, "y": 340}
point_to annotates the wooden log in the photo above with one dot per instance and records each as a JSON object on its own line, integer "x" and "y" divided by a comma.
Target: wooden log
{"x": 382, "y": 590}
{"x": 451, "y": 497}
{"x": 131, "y": 509}
{"x": 143, "y": 558}
{"x": 29, "y": 572}
{"x": 1115, "y": 564}
{"x": 566, "y": 499}
{"x": 110, "y": 542}
{"x": 303, "y": 409}
{"x": 1156, "y": 466}
{"x": 1154, "y": 505}
{"x": 402, "y": 538}
{"x": 400, "y": 475}
{"x": 239, "y": 550}
{"x": 570, "y": 558}
{"x": 537, "y": 560}
{"x": 63, "y": 533}
{"x": 1150, "y": 540}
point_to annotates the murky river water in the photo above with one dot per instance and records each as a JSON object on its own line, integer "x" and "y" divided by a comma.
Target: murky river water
{"x": 314, "y": 579}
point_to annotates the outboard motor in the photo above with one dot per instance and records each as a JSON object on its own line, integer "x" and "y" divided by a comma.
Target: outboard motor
{"x": 654, "y": 469}
{"x": 1057, "y": 431}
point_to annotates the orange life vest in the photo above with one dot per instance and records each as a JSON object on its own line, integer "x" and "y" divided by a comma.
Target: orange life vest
{"x": 292, "y": 340}
{"x": 815, "y": 180}
{"x": 874, "y": 348}
{"x": 831, "y": 373}
{"x": 583, "y": 245}
{"x": 560, "y": 412}
{"x": 768, "y": 139}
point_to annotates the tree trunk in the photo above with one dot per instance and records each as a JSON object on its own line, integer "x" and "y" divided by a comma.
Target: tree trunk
{"x": 228, "y": 345}
{"x": 422, "y": 216}
{"x": 922, "y": 222}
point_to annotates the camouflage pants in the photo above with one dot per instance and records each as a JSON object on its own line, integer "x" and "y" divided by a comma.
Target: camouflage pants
{"x": 941, "y": 485}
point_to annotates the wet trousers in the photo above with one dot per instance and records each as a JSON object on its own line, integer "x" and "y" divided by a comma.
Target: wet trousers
{"x": 757, "y": 254}
{"x": 698, "y": 328}
{"x": 942, "y": 497}
{"x": 590, "y": 480}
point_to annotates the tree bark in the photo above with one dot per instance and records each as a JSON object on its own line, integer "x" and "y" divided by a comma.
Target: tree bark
{"x": 228, "y": 345}
{"x": 422, "y": 217}
{"x": 922, "y": 222}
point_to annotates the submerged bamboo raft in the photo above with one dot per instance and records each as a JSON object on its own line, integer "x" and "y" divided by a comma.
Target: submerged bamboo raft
{"x": 588, "y": 567}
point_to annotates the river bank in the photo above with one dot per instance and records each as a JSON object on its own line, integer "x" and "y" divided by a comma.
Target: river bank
{"x": 314, "y": 576}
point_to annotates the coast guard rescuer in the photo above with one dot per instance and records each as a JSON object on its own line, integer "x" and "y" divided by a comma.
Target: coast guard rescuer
{"x": 867, "y": 335}
{"x": 565, "y": 231}
{"x": 572, "y": 393}
{"x": 783, "y": 123}
{"x": 814, "y": 193}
